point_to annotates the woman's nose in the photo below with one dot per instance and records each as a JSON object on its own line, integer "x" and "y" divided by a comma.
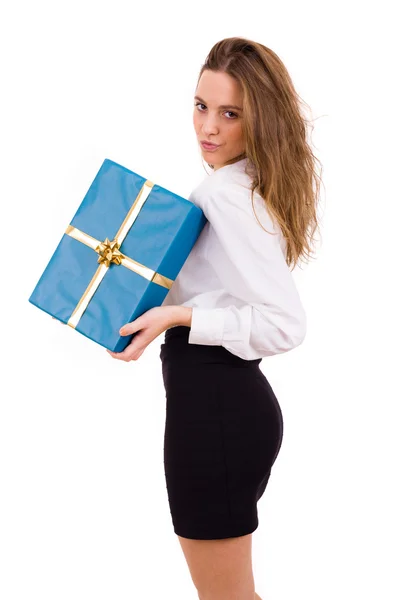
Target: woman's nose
{"x": 210, "y": 125}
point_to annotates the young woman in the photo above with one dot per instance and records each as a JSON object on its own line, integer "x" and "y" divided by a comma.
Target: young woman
{"x": 233, "y": 303}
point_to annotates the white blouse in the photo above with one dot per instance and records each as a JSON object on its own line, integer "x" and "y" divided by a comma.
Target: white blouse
{"x": 236, "y": 278}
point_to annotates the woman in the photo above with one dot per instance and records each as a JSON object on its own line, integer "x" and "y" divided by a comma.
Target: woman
{"x": 233, "y": 303}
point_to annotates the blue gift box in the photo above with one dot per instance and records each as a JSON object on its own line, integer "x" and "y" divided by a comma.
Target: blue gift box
{"x": 119, "y": 256}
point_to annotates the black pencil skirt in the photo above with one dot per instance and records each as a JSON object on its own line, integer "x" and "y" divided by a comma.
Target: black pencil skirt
{"x": 223, "y": 433}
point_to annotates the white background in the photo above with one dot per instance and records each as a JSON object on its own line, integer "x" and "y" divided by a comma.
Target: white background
{"x": 83, "y": 502}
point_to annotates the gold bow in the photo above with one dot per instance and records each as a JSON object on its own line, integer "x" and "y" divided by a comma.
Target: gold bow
{"x": 109, "y": 253}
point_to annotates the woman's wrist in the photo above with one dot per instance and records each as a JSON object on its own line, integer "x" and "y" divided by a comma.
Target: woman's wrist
{"x": 181, "y": 315}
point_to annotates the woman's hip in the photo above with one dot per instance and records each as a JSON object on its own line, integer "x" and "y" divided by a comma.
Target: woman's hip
{"x": 210, "y": 382}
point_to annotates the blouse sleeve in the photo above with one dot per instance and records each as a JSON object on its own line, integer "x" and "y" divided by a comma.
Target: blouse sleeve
{"x": 263, "y": 313}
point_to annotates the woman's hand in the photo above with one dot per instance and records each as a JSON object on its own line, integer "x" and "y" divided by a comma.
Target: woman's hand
{"x": 150, "y": 325}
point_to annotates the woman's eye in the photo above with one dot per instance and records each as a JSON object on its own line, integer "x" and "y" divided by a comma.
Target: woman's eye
{"x": 227, "y": 111}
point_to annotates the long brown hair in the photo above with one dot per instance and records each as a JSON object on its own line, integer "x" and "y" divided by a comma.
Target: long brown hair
{"x": 275, "y": 134}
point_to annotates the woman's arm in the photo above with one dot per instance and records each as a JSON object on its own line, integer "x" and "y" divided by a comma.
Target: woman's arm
{"x": 266, "y": 315}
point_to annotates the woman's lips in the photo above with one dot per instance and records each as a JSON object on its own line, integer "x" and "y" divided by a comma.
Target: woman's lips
{"x": 209, "y": 147}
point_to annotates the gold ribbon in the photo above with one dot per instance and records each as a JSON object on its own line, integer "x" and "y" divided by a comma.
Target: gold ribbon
{"x": 109, "y": 253}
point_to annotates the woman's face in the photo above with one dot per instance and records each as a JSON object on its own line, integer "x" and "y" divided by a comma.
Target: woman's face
{"x": 218, "y": 117}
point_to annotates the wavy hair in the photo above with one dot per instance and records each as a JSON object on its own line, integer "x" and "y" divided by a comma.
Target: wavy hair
{"x": 284, "y": 170}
